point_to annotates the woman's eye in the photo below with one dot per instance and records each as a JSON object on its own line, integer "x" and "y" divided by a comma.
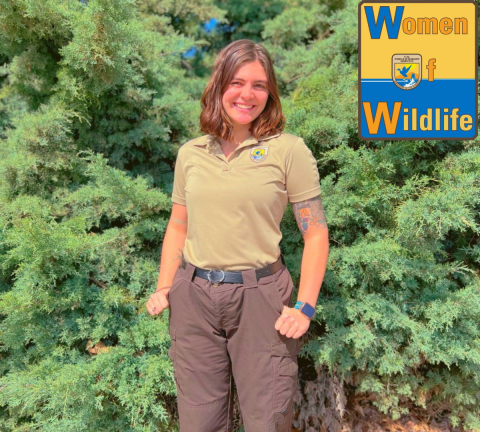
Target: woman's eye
{"x": 257, "y": 85}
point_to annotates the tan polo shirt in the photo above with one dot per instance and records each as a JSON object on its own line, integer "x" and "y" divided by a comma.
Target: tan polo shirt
{"x": 235, "y": 206}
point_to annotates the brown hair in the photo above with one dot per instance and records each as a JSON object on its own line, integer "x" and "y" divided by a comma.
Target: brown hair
{"x": 213, "y": 118}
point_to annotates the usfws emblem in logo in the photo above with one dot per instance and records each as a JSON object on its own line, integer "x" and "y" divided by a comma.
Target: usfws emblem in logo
{"x": 407, "y": 70}
{"x": 258, "y": 154}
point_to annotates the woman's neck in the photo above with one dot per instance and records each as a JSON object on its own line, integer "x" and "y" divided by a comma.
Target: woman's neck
{"x": 238, "y": 138}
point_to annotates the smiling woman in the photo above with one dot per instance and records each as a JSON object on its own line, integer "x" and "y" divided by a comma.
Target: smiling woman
{"x": 246, "y": 96}
{"x": 231, "y": 313}
{"x": 242, "y": 93}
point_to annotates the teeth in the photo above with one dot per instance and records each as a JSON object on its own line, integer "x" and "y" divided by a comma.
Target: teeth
{"x": 244, "y": 106}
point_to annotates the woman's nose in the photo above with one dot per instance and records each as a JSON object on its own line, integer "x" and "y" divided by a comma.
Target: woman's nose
{"x": 247, "y": 92}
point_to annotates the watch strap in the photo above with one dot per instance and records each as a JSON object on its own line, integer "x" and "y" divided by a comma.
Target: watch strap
{"x": 306, "y": 308}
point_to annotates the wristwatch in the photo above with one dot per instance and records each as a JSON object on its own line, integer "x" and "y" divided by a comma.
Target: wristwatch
{"x": 306, "y": 308}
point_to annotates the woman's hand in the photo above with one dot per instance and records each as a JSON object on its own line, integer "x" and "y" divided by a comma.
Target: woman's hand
{"x": 292, "y": 323}
{"x": 158, "y": 301}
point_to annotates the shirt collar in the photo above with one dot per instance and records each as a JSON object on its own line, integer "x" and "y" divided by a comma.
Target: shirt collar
{"x": 213, "y": 145}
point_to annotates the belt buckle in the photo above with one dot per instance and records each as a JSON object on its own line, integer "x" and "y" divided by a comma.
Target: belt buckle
{"x": 215, "y": 281}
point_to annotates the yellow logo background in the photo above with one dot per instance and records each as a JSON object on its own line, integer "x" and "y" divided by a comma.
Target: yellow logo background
{"x": 444, "y": 48}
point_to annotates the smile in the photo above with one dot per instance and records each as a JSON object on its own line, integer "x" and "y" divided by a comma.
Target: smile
{"x": 242, "y": 107}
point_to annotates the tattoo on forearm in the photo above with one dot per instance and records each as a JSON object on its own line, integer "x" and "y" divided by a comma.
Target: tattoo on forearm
{"x": 309, "y": 213}
{"x": 178, "y": 221}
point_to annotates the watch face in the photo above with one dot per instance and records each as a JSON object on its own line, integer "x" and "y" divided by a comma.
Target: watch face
{"x": 308, "y": 310}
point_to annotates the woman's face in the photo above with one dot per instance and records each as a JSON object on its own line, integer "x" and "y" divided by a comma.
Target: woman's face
{"x": 248, "y": 88}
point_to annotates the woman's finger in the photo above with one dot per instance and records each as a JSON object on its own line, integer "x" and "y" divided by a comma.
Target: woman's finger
{"x": 150, "y": 306}
{"x": 282, "y": 323}
{"x": 163, "y": 299}
{"x": 293, "y": 328}
{"x": 158, "y": 302}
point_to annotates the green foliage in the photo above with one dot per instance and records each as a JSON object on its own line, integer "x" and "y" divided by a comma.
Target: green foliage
{"x": 95, "y": 99}
{"x": 400, "y": 303}
{"x": 88, "y": 94}
{"x": 300, "y": 22}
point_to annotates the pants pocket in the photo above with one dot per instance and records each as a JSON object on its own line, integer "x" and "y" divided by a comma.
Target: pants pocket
{"x": 172, "y": 354}
{"x": 175, "y": 281}
{"x": 285, "y": 370}
{"x": 283, "y": 289}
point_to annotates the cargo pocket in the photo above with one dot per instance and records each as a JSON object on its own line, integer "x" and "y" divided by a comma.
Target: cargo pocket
{"x": 172, "y": 354}
{"x": 285, "y": 369}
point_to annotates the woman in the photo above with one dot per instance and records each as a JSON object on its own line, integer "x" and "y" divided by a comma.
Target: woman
{"x": 221, "y": 274}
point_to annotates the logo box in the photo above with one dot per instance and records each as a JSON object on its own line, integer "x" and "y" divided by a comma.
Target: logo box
{"x": 418, "y": 72}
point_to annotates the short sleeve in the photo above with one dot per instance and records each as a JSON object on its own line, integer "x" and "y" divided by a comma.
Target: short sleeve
{"x": 178, "y": 193}
{"x": 302, "y": 180}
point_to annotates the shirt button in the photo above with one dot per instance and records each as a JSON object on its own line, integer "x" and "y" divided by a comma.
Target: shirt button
{"x": 226, "y": 168}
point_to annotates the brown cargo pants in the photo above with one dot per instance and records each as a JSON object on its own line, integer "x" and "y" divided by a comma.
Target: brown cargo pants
{"x": 217, "y": 331}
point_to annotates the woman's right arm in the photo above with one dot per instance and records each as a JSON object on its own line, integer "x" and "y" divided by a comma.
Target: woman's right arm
{"x": 172, "y": 248}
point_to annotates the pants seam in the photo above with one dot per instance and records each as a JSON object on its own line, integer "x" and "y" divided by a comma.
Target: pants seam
{"x": 217, "y": 402}
{"x": 228, "y": 403}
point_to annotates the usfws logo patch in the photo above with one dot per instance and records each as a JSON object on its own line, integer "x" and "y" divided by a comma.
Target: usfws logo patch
{"x": 407, "y": 70}
{"x": 259, "y": 154}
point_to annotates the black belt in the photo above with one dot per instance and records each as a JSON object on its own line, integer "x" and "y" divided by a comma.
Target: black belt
{"x": 217, "y": 275}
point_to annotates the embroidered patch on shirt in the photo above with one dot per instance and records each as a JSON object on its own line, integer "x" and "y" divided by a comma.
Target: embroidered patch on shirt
{"x": 258, "y": 154}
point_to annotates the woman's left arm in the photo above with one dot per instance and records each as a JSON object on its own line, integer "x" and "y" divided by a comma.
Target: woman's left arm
{"x": 313, "y": 226}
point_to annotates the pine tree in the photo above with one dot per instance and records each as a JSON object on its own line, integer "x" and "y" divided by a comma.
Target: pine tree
{"x": 94, "y": 106}
{"x": 96, "y": 99}
{"x": 400, "y": 303}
